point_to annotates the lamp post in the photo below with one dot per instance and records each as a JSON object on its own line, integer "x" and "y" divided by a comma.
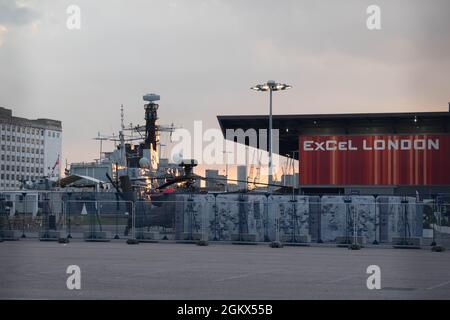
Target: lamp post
{"x": 270, "y": 86}
{"x": 294, "y": 181}
{"x": 226, "y": 169}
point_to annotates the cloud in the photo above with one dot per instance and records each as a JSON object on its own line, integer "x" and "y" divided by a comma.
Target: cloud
{"x": 13, "y": 14}
{"x": 3, "y": 30}
{"x": 203, "y": 55}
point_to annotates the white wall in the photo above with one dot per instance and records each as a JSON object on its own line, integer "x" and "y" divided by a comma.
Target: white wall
{"x": 52, "y": 149}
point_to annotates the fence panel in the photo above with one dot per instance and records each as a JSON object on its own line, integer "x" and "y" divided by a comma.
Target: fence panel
{"x": 229, "y": 217}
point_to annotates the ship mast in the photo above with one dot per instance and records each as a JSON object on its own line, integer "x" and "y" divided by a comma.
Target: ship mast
{"x": 123, "y": 161}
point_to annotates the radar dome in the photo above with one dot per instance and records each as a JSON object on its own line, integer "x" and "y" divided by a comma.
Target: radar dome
{"x": 177, "y": 157}
{"x": 144, "y": 163}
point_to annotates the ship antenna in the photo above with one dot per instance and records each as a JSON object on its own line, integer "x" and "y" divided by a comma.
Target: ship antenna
{"x": 121, "y": 118}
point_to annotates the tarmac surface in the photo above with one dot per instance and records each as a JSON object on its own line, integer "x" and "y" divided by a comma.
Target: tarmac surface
{"x": 30, "y": 269}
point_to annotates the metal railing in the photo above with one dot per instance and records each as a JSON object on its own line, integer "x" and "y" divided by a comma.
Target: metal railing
{"x": 223, "y": 217}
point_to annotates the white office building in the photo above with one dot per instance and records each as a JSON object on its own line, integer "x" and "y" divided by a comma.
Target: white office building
{"x": 29, "y": 150}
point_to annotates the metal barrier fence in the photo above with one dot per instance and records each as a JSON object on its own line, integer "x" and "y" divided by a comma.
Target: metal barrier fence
{"x": 236, "y": 218}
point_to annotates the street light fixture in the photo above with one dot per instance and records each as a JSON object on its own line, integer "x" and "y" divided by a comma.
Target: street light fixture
{"x": 271, "y": 86}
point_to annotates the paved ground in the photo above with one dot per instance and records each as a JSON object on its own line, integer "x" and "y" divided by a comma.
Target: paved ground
{"x": 30, "y": 269}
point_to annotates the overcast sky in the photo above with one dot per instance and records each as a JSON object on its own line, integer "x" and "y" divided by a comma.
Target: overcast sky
{"x": 202, "y": 57}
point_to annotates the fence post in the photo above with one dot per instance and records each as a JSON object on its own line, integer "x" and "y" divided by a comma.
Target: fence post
{"x": 205, "y": 235}
{"x": 277, "y": 243}
{"x": 2, "y": 209}
{"x": 435, "y": 208}
{"x": 404, "y": 203}
{"x": 133, "y": 239}
{"x": 440, "y": 208}
{"x": 266, "y": 220}
{"x": 319, "y": 221}
{"x": 116, "y": 237}
{"x": 354, "y": 245}
{"x": 375, "y": 242}
{"x": 24, "y": 194}
{"x": 294, "y": 219}
{"x": 347, "y": 201}
{"x": 69, "y": 222}
{"x": 133, "y": 221}
{"x": 216, "y": 219}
